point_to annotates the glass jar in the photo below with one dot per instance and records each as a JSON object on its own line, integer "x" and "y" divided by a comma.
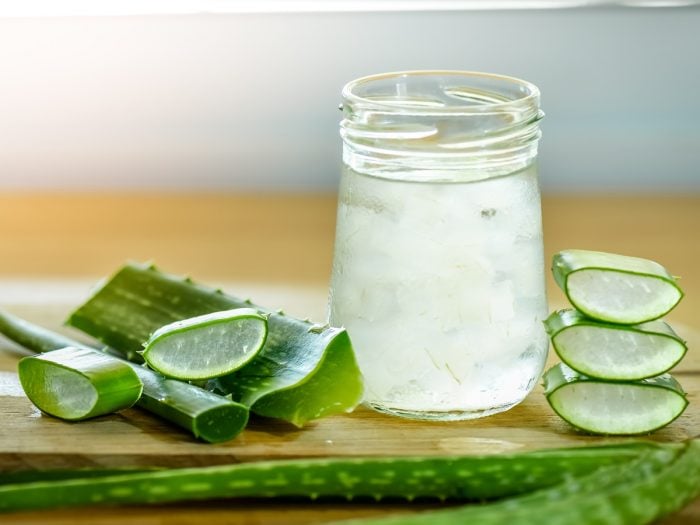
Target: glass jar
{"x": 438, "y": 270}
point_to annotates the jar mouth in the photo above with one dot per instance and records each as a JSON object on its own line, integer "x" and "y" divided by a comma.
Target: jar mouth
{"x": 444, "y": 92}
{"x": 482, "y": 123}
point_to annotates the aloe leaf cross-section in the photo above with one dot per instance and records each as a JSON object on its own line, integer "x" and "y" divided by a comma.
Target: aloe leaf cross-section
{"x": 615, "y": 288}
{"x": 613, "y": 407}
{"x": 206, "y": 346}
{"x": 614, "y": 351}
{"x": 77, "y": 383}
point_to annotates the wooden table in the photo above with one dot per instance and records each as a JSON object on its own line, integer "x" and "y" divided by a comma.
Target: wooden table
{"x": 277, "y": 249}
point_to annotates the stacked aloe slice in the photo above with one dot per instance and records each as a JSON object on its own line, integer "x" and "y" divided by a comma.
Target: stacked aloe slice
{"x": 616, "y": 351}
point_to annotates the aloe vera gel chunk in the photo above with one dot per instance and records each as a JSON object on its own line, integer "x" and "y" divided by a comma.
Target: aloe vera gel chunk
{"x": 77, "y": 383}
{"x": 207, "y": 346}
{"x": 614, "y": 351}
{"x": 615, "y": 288}
{"x": 613, "y": 407}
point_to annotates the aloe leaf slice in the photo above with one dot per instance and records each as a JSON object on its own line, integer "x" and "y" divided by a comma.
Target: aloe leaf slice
{"x": 77, "y": 383}
{"x": 613, "y": 407}
{"x": 205, "y": 415}
{"x": 613, "y": 351}
{"x": 463, "y": 477}
{"x": 615, "y": 288}
{"x": 281, "y": 381}
{"x": 206, "y": 346}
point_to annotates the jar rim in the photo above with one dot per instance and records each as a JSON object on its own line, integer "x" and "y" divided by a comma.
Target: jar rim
{"x": 530, "y": 92}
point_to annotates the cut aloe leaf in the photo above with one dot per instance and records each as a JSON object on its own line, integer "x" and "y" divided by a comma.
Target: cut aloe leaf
{"x": 206, "y": 346}
{"x": 613, "y": 351}
{"x": 303, "y": 372}
{"x": 615, "y": 288}
{"x": 77, "y": 383}
{"x": 204, "y": 414}
{"x": 613, "y": 407}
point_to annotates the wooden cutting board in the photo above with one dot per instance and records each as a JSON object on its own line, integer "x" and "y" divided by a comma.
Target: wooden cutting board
{"x": 30, "y": 440}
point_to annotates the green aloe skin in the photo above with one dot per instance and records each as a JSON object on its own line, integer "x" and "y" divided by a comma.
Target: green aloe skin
{"x": 205, "y": 415}
{"x": 303, "y": 372}
{"x": 629, "y": 484}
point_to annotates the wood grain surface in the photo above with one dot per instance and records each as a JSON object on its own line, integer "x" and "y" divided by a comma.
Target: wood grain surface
{"x": 278, "y": 248}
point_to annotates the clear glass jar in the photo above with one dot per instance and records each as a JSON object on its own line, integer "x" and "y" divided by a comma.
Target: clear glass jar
{"x": 438, "y": 270}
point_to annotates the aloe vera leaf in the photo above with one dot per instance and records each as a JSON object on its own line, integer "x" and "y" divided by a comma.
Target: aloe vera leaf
{"x": 76, "y": 383}
{"x": 657, "y": 483}
{"x": 466, "y": 477}
{"x": 615, "y": 288}
{"x": 298, "y": 358}
{"x": 206, "y": 346}
{"x": 613, "y": 351}
{"x": 613, "y": 407}
{"x": 206, "y": 415}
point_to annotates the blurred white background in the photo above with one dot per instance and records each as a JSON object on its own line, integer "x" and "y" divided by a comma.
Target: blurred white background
{"x": 248, "y": 100}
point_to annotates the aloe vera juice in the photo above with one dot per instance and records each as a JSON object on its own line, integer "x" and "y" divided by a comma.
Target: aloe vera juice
{"x": 440, "y": 283}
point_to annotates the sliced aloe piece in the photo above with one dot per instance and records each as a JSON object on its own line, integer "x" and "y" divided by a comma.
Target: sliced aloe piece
{"x": 77, "y": 383}
{"x": 207, "y": 346}
{"x": 614, "y": 351}
{"x": 615, "y": 288}
{"x": 304, "y": 371}
{"x": 613, "y": 407}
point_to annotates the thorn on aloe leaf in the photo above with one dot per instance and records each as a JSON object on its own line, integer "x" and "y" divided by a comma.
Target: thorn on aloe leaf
{"x": 280, "y": 312}
{"x": 317, "y": 328}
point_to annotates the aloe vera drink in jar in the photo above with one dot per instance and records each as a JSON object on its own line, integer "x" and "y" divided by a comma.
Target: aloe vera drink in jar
{"x": 438, "y": 270}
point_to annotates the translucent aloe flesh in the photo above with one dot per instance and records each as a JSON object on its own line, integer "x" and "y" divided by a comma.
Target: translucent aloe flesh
{"x": 303, "y": 371}
{"x": 77, "y": 383}
{"x": 205, "y": 415}
{"x": 613, "y": 407}
{"x": 614, "y": 351}
{"x": 462, "y": 477}
{"x": 206, "y": 346}
{"x": 615, "y": 288}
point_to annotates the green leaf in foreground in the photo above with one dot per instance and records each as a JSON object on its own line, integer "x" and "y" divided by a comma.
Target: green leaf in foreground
{"x": 206, "y": 415}
{"x": 614, "y": 351}
{"x": 78, "y": 383}
{"x": 613, "y": 407}
{"x": 615, "y": 288}
{"x": 303, "y": 371}
{"x": 206, "y": 346}
{"x": 465, "y": 478}
{"x": 657, "y": 483}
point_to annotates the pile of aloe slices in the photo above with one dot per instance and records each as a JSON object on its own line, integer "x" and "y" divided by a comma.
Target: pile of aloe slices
{"x": 615, "y": 351}
{"x": 195, "y": 356}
